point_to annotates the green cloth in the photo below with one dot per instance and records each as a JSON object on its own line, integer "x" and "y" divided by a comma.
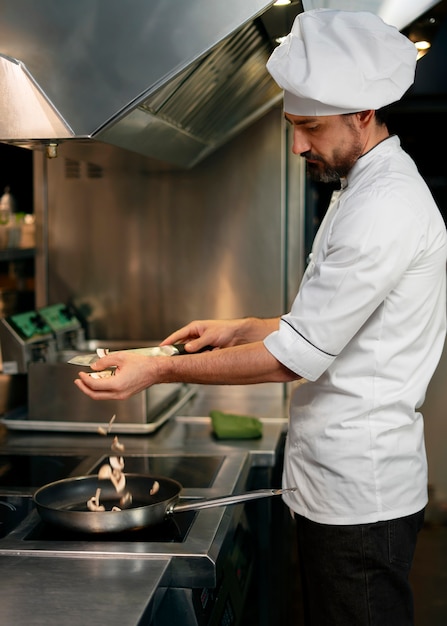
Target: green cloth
{"x": 230, "y": 426}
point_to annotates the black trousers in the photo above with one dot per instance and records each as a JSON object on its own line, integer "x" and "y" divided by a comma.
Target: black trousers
{"x": 358, "y": 575}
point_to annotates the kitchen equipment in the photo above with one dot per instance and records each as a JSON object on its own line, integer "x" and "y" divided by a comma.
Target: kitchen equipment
{"x": 64, "y": 502}
{"x": 118, "y": 97}
{"x": 39, "y": 343}
{"x": 38, "y": 336}
{"x": 13, "y": 509}
{"x": 30, "y": 471}
{"x": 210, "y": 551}
{"x": 72, "y": 411}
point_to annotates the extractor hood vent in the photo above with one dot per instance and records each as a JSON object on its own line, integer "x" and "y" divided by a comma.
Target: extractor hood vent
{"x": 171, "y": 80}
{"x": 211, "y": 99}
{"x": 204, "y": 106}
{"x": 208, "y": 103}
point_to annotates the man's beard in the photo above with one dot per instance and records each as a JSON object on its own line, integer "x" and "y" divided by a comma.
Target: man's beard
{"x": 323, "y": 175}
{"x": 323, "y": 172}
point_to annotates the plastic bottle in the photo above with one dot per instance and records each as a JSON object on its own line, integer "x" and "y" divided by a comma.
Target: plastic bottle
{"x": 7, "y": 206}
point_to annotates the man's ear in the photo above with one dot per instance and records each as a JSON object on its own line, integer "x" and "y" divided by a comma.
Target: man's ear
{"x": 365, "y": 117}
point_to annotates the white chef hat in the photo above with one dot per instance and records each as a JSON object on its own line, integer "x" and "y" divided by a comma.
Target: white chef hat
{"x": 335, "y": 62}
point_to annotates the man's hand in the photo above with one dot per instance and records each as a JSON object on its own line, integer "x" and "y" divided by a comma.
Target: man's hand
{"x": 238, "y": 365}
{"x": 222, "y": 333}
{"x": 131, "y": 374}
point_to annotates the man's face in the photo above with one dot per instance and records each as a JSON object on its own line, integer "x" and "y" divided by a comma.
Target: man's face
{"x": 331, "y": 144}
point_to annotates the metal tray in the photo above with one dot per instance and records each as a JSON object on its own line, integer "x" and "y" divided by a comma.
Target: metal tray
{"x": 18, "y": 420}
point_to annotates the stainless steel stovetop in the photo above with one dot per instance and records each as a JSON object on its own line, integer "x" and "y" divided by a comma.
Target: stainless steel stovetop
{"x": 193, "y": 540}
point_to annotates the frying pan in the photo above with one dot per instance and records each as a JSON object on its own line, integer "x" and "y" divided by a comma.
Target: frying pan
{"x": 64, "y": 503}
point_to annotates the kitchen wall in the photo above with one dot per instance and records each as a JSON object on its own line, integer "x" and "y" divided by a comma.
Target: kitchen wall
{"x": 434, "y": 411}
{"x": 143, "y": 249}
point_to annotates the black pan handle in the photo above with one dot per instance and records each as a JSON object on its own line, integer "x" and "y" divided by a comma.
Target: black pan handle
{"x": 181, "y": 349}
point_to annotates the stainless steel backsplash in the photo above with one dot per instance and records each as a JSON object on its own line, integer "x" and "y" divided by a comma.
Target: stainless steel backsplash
{"x": 143, "y": 248}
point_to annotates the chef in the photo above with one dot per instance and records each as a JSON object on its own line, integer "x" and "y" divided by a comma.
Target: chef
{"x": 364, "y": 334}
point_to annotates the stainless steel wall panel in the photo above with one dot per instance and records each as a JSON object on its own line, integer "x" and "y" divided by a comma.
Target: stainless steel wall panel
{"x": 146, "y": 251}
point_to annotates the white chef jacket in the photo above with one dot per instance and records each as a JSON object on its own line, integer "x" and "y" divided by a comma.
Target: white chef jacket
{"x": 366, "y": 330}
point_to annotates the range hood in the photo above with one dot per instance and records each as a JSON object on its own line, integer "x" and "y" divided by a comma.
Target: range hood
{"x": 169, "y": 79}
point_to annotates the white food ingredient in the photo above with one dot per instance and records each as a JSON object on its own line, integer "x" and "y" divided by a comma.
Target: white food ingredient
{"x": 102, "y": 374}
{"x": 117, "y": 463}
{"x": 114, "y": 472}
{"x": 106, "y": 431}
{"x": 102, "y": 352}
{"x": 118, "y": 479}
{"x": 126, "y": 499}
{"x": 93, "y": 503}
{"x": 155, "y": 488}
{"x": 117, "y": 446}
{"x": 105, "y": 471}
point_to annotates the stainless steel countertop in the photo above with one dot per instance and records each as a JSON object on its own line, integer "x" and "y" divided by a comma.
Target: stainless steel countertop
{"x": 54, "y": 591}
{"x": 86, "y": 587}
{"x": 189, "y": 431}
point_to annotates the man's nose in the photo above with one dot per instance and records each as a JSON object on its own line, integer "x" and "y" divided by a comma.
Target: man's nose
{"x": 300, "y": 143}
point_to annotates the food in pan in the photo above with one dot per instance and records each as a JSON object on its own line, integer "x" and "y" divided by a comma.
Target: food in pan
{"x": 114, "y": 471}
{"x": 93, "y": 503}
{"x": 155, "y": 487}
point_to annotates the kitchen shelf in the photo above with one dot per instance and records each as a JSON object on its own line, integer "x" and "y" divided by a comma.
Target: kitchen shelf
{"x": 17, "y": 254}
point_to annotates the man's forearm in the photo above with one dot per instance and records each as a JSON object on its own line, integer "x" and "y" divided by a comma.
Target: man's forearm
{"x": 240, "y": 365}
